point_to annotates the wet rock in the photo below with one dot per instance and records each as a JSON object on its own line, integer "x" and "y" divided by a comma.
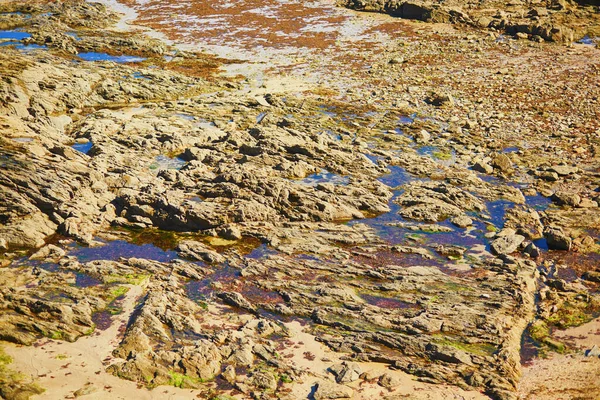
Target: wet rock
{"x": 525, "y": 222}
{"x": 557, "y": 239}
{"x": 451, "y": 251}
{"x": 230, "y": 232}
{"x": 236, "y": 300}
{"x": 329, "y": 390}
{"x": 549, "y": 176}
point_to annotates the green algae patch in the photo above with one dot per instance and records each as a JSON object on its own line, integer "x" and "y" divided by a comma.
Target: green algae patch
{"x": 480, "y": 349}
{"x": 182, "y": 381}
{"x": 131, "y": 279}
{"x": 14, "y": 385}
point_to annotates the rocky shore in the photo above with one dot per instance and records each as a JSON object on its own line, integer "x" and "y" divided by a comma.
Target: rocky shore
{"x": 428, "y": 231}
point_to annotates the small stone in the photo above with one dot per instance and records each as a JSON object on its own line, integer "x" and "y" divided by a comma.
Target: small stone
{"x": 84, "y": 391}
{"x": 532, "y": 250}
{"x": 229, "y": 374}
{"x": 397, "y": 60}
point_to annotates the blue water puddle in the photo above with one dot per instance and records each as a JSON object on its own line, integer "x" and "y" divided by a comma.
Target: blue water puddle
{"x": 497, "y": 211}
{"x": 333, "y": 135}
{"x": 93, "y": 56}
{"x": 407, "y": 119}
{"x": 30, "y": 47}
{"x": 510, "y": 150}
{"x": 83, "y": 147}
{"x": 327, "y": 110}
{"x": 202, "y": 123}
{"x": 324, "y": 177}
{"x": 195, "y": 199}
{"x": 397, "y": 177}
{"x": 588, "y": 40}
{"x": 139, "y": 75}
{"x": 116, "y": 249}
{"x": 261, "y": 251}
{"x": 187, "y": 117}
{"x": 164, "y": 162}
{"x": 538, "y": 202}
{"x": 541, "y": 244}
{"x": 14, "y": 35}
{"x": 83, "y": 280}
